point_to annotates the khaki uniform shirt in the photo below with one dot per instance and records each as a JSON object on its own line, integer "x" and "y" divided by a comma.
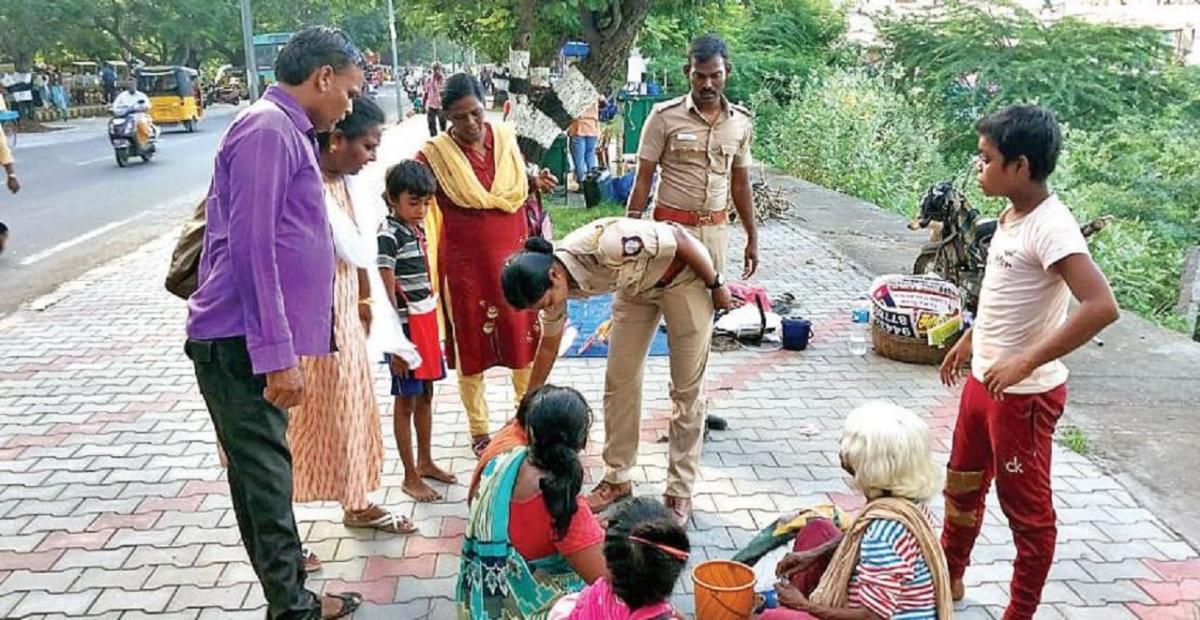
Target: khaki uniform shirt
{"x": 695, "y": 157}
{"x": 611, "y": 254}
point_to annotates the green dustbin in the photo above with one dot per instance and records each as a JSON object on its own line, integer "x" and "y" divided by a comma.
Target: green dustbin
{"x": 635, "y": 112}
{"x": 557, "y": 159}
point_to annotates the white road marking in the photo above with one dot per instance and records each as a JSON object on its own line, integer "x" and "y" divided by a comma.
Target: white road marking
{"x": 70, "y": 243}
{"x": 108, "y": 157}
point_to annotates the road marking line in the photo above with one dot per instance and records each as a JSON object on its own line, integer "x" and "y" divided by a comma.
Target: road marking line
{"x": 70, "y": 243}
{"x": 94, "y": 161}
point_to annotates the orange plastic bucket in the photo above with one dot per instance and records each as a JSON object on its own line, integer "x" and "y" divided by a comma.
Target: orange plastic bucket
{"x": 724, "y": 590}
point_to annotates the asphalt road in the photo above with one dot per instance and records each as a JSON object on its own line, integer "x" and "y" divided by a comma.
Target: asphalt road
{"x": 77, "y": 209}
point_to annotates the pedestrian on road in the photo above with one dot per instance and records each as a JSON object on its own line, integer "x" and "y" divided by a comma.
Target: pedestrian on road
{"x": 108, "y": 80}
{"x": 478, "y": 220}
{"x": 10, "y": 175}
{"x": 701, "y": 143}
{"x": 334, "y": 433}
{"x": 1017, "y": 384}
{"x": 265, "y": 300}
{"x": 58, "y": 94}
{"x": 403, "y": 260}
{"x": 431, "y": 98}
{"x": 584, "y": 132}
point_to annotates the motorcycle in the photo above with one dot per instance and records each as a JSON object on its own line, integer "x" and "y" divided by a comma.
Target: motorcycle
{"x": 122, "y": 133}
{"x": 959, "y": 241}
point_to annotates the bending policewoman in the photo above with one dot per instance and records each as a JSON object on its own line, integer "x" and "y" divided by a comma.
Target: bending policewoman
{"x": 665, "y": 269}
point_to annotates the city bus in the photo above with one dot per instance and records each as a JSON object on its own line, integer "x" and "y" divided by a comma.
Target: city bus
{"x": 266, "y": 49}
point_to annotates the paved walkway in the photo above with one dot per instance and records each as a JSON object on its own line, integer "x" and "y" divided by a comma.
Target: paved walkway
{"x": 114, "y": 505}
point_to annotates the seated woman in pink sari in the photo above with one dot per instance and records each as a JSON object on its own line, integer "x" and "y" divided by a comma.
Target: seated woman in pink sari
{"x": 645, "y": 551}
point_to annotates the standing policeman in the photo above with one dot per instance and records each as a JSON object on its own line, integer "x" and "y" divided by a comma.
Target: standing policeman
{"x": 701, "y": 143}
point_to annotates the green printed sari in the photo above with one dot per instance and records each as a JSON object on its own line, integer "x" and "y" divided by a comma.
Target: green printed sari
{"x": 494, "y": 581}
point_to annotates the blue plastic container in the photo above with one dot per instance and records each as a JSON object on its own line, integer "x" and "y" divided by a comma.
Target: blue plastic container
{"x": 796, "y": 333}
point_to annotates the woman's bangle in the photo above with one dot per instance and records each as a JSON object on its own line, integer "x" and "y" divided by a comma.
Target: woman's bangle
{"x": 365, "y": 301}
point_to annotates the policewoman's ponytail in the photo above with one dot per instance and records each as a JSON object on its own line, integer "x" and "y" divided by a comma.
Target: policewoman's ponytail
{"x": 526, "y": 275}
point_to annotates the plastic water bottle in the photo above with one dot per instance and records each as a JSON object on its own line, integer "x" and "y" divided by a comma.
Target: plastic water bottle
{"x": 861, "y": 317}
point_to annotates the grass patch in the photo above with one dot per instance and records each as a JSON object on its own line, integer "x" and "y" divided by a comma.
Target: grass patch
{"x": 1073, "y": 438}
{"x": 567, "y": 218}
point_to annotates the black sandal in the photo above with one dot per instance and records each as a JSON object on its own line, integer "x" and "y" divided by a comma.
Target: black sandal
{"x": 351, "y": 601}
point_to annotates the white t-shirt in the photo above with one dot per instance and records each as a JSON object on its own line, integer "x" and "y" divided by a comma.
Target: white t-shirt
{"x": 1020, "y": 301}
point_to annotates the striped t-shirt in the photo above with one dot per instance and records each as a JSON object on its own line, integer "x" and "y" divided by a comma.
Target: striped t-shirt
{"x": 402, "y": 249}
{"x": 892, "y": 580}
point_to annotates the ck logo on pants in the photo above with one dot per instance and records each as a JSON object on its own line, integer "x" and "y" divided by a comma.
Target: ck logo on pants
{"x": 1014, "y": 466}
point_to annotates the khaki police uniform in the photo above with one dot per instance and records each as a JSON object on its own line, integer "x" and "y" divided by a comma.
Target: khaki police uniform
{"x": 695, "y": 160}
{"x": 616, "y": 254}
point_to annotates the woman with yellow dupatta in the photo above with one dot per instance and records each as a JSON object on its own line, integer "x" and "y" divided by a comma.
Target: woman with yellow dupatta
{"x": 478, "y": 221}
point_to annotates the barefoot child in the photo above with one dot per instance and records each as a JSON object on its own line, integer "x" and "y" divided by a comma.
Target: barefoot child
{"x": 1017, "y": 386}
{"x": 405, "y": 269}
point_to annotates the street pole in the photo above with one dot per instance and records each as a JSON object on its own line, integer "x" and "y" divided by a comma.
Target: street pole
{"x": 395, "y": 63}
{"x": 248, "y": 43}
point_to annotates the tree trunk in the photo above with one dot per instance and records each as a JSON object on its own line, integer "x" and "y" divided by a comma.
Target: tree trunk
{"x": 610, "y": 37}
{"x": 526, "y": 13}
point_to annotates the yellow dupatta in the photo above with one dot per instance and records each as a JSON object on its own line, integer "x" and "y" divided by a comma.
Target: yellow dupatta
{"x": 456, "y": 178}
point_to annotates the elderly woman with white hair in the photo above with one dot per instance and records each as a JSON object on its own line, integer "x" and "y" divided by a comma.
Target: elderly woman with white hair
{"x": 890, "y": 563}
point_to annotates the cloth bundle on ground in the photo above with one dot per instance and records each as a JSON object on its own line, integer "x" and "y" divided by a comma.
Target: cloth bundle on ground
{"x": 784, "y": 529}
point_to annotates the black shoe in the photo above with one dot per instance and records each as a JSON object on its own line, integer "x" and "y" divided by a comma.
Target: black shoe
{"x": 715, "y": 423}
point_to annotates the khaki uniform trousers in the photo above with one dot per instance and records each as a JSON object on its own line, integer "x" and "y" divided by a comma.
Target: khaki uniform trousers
{"x": 687, "y": 306}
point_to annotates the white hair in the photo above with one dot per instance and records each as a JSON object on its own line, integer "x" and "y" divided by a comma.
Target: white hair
{"x": 889, "y": 450}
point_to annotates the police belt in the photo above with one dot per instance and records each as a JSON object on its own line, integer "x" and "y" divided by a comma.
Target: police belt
{"x": 694, "y": 219}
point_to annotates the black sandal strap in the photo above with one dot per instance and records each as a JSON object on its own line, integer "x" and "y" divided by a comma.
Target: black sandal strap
{"x": 351, "y": 601}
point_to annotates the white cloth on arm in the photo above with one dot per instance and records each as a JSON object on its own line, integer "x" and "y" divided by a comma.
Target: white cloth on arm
{"x": 386, "y": 334}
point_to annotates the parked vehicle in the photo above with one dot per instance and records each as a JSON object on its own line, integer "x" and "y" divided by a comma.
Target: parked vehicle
{"x": 959, "y": 241}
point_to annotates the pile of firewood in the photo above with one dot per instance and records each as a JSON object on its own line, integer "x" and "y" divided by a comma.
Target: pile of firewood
{"x": 769, "y": 201}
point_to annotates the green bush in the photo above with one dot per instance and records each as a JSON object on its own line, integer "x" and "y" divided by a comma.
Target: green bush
{"x": 853, "y": 133}
{"x": 969, "y": 58}
{"x": 850, "y": 132}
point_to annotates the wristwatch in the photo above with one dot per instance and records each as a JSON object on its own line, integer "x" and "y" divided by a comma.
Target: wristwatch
{"x": 716, "y": 283}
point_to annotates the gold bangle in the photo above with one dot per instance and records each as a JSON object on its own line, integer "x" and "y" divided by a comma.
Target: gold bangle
{"x": 365, "y": 301}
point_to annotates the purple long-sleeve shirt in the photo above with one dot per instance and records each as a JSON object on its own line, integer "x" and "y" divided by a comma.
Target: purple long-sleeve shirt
{"x": 266, "y": 271}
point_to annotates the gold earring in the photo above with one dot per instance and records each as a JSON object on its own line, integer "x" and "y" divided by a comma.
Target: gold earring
{"x": 332, "y": 148}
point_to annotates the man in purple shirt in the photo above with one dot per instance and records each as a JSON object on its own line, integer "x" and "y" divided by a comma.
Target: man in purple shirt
{"x": 265, "y": 299}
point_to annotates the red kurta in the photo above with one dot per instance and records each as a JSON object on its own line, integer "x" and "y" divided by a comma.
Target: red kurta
{"x": 482, "y": 330}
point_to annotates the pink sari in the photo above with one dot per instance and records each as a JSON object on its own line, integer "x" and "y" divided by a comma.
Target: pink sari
{"x": 599, "y": 602}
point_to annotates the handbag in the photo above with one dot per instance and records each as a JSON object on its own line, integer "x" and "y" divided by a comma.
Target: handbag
{"x": 185, "y": 260}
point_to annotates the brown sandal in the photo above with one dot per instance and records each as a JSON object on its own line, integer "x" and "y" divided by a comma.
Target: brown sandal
{"x": 386, "y": 522}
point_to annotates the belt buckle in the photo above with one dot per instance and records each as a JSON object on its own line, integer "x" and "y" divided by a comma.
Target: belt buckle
{"x": 706, "y": 219}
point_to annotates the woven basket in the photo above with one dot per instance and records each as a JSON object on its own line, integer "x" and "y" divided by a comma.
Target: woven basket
{"x": 910, "y": 350}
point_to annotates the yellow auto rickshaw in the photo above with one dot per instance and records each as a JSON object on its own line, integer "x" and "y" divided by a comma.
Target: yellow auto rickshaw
{"x": 175, "y": 95}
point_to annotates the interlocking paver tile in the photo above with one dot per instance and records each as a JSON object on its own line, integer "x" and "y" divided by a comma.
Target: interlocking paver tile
{"x": 200, "y": 576}
{"x": 73, "y": 604}
{"x": 226, "y": 598}
{"x": 129, "y": 579}
{"x": 53, "y": 581}
{"x": 149, "y": 600}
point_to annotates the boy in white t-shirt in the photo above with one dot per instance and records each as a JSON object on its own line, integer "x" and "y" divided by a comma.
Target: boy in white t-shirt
{"x": 1017, "y": 386}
